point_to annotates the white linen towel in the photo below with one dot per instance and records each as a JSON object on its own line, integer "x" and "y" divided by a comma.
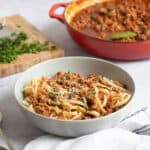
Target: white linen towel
{"x": 131, "y": 134}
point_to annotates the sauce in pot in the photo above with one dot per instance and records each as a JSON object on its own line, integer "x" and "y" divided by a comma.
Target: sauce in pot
{"x": 120, "y": 20}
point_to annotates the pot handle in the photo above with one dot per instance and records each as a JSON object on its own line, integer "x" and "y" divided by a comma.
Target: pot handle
{"x": 54, "y": 8}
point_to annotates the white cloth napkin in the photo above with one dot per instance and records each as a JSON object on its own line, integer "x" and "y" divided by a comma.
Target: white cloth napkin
{"x": 131, "y": 134}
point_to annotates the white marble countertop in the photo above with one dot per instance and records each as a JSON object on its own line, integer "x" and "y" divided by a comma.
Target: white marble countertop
{"x": 17, "y": 128}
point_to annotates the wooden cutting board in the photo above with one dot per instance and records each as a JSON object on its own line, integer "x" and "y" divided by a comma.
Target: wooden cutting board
{"x": 26, "y": 60}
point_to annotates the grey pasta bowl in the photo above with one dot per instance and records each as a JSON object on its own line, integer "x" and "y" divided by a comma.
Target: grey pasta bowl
{"x": 84, "y": 66}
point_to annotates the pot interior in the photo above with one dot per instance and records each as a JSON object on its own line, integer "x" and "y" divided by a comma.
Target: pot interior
{"x": 78, "y": 5}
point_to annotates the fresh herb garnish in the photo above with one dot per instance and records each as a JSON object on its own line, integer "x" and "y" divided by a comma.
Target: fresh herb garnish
{"x": 53, "y": 94}
{"x": 16, "y": 44}
{"x": 121, "y": 35}
{"x": 93, "y": 92}
{"x": 71, "y": 95}
{"x": 53, "y": 47}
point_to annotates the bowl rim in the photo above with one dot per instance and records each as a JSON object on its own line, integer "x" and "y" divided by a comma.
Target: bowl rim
{"x": 95, "y": 38}
{"x": 73, "y": 121}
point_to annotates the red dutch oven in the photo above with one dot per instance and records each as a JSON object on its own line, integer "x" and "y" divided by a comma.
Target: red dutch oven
{"x": 101, "y": 48}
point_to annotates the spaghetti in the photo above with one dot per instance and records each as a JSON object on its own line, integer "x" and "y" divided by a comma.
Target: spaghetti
{"x": 70, "y": 96}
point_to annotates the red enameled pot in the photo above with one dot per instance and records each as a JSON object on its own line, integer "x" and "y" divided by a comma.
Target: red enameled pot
{"x": 98, "y": 47}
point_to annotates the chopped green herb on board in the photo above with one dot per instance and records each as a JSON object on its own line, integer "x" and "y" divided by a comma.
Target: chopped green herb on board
{"x": 16, "y": 44}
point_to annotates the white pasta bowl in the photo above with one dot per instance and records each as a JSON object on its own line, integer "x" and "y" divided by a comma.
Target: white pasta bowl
{"x": 83, "y": 66}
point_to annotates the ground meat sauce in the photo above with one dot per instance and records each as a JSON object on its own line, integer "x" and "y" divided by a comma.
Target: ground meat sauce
{"x": 120, "y": 20}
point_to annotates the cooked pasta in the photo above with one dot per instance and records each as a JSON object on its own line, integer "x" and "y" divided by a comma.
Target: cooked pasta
{"x": 70, "y": 96}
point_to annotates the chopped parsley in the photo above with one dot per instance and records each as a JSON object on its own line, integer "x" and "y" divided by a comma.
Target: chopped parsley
{"x": 71, "y": 95}
{"x": 53, "y": 47}
{"x": 16, "y": 44}
{"x": 53, "y": 94}
{"x": 93, "y": 92}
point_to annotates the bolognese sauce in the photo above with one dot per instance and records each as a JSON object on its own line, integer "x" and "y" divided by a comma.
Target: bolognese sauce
{"x": 120, "y": 20}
